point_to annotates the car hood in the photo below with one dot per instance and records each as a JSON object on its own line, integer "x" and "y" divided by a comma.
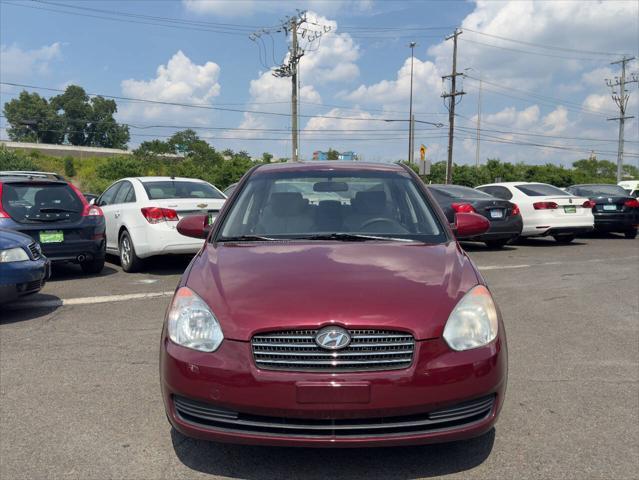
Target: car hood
{"x": 11, "y": 239}
{"x": 255, "y": 287}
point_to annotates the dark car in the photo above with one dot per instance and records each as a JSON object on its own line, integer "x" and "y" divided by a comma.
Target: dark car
{"x": 90, "y": 198}
{"x": 55, "y": 214}
{"x": 331, "y": 306}
{"x": 614, "y": 209}
{"x": 23, "y": 268}
{"x": 230, "y": 189}
{"x": 504, "y": 216}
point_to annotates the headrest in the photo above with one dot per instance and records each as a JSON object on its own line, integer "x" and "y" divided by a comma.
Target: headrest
{"x": 284, "y": 204}
{"x": 371, "y": 202}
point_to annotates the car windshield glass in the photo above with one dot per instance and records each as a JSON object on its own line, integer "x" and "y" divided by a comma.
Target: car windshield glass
{"x": 457, "y": 191}
{"x": 340, "y": 206}
{"x": 541, "y": 190}
{"x": 32, "y": 202}
{"x": 594, "y": 190}
{"x": 180, "y": 189}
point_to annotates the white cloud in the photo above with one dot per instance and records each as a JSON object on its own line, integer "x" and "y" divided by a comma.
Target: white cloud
{"x": 234, "y": 8}
{"x": 179, "y": 81}
{"x": 18, "y": 63}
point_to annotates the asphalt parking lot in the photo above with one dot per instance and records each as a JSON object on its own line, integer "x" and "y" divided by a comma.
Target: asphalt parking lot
{"x": 80, "y": 397}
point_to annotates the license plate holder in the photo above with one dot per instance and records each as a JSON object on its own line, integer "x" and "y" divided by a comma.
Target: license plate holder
{"x": 52, "y": 236}
{"x": 496, "y": 213}
{"x": 570, "y": 209}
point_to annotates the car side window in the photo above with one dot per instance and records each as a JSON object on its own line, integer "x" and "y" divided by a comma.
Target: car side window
{"x": 108, "y": 196}
{"x": 123, "y": 193}
{"x": 130, "y": 197}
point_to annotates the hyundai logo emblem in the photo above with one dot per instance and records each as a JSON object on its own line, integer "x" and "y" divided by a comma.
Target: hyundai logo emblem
{"x": 333, "y": 338}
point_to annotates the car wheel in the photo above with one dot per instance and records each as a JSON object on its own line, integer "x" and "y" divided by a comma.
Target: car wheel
{"x": 630, "y": 234}
{"x": 564, "y": 238}
{"x": 128, "y": 259}
{"x": 92, "y": 266}
{"x": 496, "y": 243}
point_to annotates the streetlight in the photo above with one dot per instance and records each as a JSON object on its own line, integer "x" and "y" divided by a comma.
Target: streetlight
{"x": 411, "y": 126}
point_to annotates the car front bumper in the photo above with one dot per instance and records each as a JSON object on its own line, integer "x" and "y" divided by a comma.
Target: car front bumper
{"x": 23, "y": 278}
{"x": 223, "y": 396}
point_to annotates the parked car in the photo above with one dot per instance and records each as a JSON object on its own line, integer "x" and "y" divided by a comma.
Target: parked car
{"x": 55, "y": 214}
{"x": 504, "y": 217}
{"x": 631, "y": 187}
{"x": 142, "y": 212}
{"x": 230, "y": 189}
{"x": 614, "y": 209}
{"x": 23, "y": 268}
{"x": 546, "y": 209}
{"x": 337, "y": 323}
{"x": 90, "y": 197}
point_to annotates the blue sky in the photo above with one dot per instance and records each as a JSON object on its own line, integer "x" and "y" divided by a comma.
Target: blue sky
{"x": 543, "y": 66}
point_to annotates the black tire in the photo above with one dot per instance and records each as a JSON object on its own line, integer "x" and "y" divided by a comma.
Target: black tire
{"x": 496, "y": 244}
{"x": 129, "y": 260}
{"x": 92, "y": 267}
{"x": 564, "y": 238}
{"x": 630, "y": 234}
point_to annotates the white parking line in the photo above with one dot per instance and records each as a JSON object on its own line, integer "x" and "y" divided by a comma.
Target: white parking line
{"x": 545, "y": 264}
{"x": 501, "y": 267}
{"x": 65, "y": 302}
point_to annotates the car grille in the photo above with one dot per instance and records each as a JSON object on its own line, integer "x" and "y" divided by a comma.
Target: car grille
{"x": 28, "y": 287}
{"x": 35, "y": 251}
{"x": 209, "y": 416}
{"x": 368, "y": 350}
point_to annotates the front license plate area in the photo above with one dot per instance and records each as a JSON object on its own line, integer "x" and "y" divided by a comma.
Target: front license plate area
{"x": 570, "y": 209}
{"x": 52, "y": 236}
{"x": 496, "y": 213}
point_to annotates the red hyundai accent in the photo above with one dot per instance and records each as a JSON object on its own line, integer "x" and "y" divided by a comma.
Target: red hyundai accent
{"x": 332, "y": 306}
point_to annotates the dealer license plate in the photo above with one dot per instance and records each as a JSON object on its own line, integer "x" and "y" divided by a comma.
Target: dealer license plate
{"x": 570, "y": 209}
{"x": 52, "y": 236}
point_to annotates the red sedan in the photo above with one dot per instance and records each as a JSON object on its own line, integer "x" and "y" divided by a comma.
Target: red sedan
{"x": 331, "y": 306}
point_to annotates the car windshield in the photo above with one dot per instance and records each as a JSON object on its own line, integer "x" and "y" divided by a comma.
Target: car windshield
{"x": 594, "y": 190}
{"x": 40, "y": 202}
{"x": 457, "y": 191}
{"x": 541, "y": 190}
{"x": 159, "y": 190}
{"x": 364, "y": 205}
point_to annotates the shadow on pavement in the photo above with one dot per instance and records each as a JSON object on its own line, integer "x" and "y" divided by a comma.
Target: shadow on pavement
{"x": 545, "y": 242}
{"x": 21, "y": 310}
{"x": 70, "y": 271}
{"x": 160, "y": 265}
{"x": 482, "y": 247}
{"x": 251, "y": 462}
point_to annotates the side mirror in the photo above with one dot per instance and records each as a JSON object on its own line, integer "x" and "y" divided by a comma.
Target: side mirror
{"x": 470, "y": 225}
{"x": 196, "y": 226}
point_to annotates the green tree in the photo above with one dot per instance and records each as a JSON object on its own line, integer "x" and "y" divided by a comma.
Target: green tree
{"x": 69, "y": 167}
{"x": 10, "y": 160}
{"x": 267, "y": 157}
{"x": 32, "y": 118}
{"x": 154, "y": 147}
{"x": 332, "y": 154}
{"x": 102, "y": 130}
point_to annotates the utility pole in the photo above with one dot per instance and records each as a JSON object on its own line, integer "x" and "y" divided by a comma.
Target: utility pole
{"x": 411, "y": 120}
{"x": 621, "y": 99}
{"x": 452, "y": 101}
{"x": 296, "y": 26}
{"x": 478, "y": 122}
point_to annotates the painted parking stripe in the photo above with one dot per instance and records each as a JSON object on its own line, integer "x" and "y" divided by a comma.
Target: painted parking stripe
{"x": 545, "y": 264}
{"x": 65, "y": 302}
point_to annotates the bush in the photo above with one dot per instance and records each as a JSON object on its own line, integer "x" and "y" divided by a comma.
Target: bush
{"x": 69, "y": 167}
{"x": 15, "y": 160}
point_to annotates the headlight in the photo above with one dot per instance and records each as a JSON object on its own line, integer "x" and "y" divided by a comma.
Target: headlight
{"x": 473, "y": 322}
{"x": 13, "y": 255}
{"x": 192, "y": 324}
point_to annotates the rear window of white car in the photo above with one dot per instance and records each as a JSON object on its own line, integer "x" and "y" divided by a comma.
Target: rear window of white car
{"x": 180, "y": 189}
{"x": 541, "y": 190}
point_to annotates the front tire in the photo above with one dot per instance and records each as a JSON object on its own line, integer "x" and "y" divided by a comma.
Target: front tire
{"x": 564, "y": 238}
{"x": 630, "y": 234}
{"x": 129, "y": 260}
{"x": 92, "y": 267}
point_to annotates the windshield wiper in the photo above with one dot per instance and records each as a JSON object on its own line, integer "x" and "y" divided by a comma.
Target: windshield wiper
{"x": 351, "y": 237}
{"x": 247, "y": 238}
{"x": 56, "y": 209}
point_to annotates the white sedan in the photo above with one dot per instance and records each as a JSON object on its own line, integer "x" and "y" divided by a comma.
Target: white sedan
{"x": 545, "y": 209}
{"x": 142, "y": 213}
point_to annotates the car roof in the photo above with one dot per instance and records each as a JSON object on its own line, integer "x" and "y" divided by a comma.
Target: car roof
{"x": 30, "y": 174}
{"x": 314, "y": 166}
{"x": 23, "y": 179}
{"x": 595, "y": 185}
{"x": 511, "y": 184}
{"x": 164, "y": 179}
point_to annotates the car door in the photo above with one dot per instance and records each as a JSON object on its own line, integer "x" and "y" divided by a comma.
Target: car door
{"x": 106, "y": 203}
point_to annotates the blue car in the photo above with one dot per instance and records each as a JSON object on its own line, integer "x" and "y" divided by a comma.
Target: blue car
{"x": 23, "y": 268}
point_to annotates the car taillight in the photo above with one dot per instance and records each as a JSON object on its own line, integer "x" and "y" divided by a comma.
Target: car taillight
{"x": 157, "y": 214}
{"x": 515, "y": 210}
{"x": 3, "y": 214}
{"x": 588, "y": 204}
{"x": 632, "y": 203}
{"x": 463, "y": 208}
{"x": 545, "y": 205}
{"x": 87, "y": 210}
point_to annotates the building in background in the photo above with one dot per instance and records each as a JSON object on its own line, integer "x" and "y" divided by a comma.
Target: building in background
{"x": 348, "y": 156}
{"x": 317, "y": 155}
{"x": 352, "y": 156}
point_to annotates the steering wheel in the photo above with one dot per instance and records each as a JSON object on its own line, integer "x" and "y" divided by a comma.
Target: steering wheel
{"x": 372, "y": 221}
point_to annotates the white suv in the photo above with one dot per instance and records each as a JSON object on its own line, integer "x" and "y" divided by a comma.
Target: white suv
{"x": 141, "y": 214}
{"x": 546, "y": 209}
